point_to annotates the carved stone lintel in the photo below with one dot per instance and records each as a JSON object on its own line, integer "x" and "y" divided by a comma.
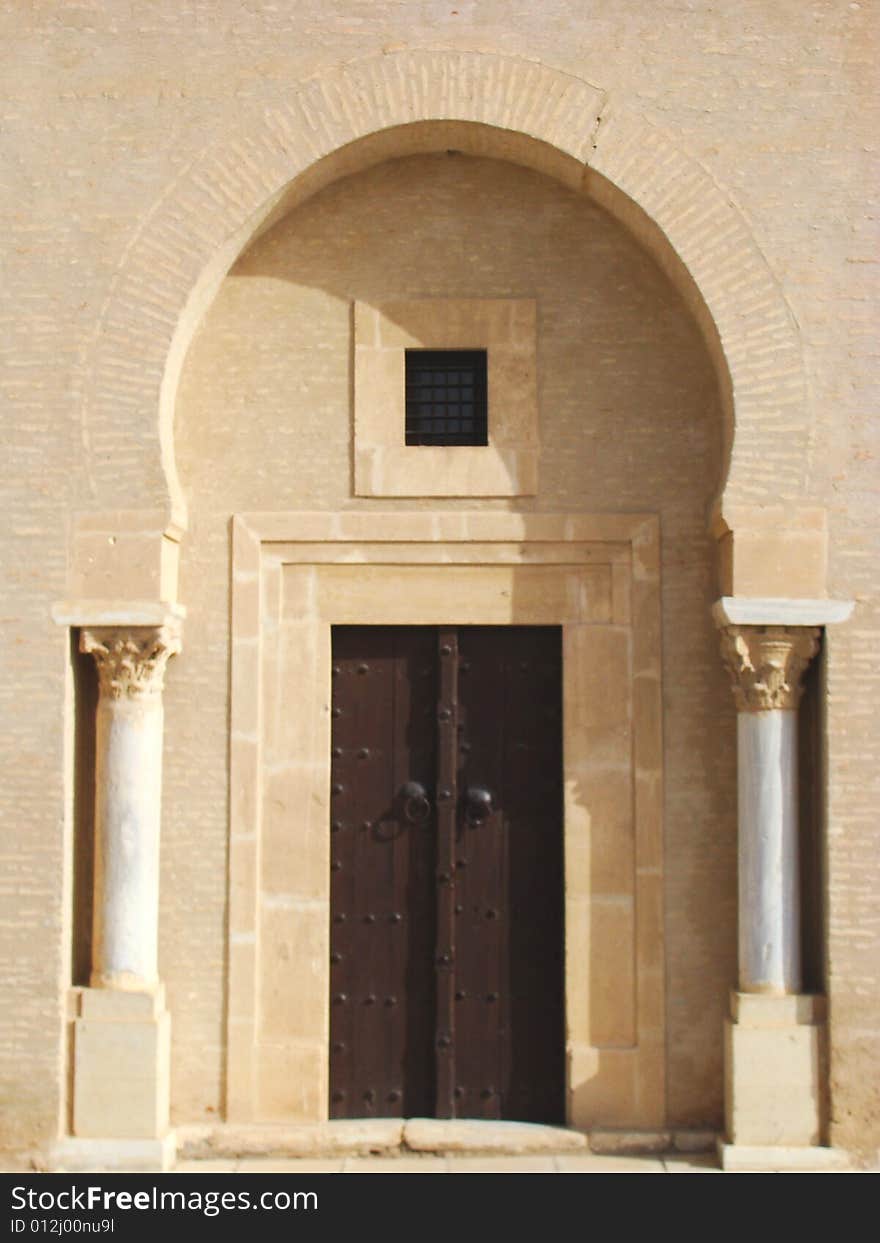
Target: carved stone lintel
{"x": 131, "y": 660}
{"x": 765, "y": 664}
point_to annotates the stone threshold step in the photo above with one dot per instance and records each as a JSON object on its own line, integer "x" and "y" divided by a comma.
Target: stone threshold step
{"x": 376, "y": 1137}
{"x": 389, "y": 1137}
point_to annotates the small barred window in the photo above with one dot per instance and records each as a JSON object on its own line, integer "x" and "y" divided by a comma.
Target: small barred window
{"x": 446, "y": 397}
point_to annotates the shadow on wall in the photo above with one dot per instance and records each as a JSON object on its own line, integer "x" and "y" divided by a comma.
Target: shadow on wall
{"x": 630, "y": 412}
{"x": 629, "y": 421}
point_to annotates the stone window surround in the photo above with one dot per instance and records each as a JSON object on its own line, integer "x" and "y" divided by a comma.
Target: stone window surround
{"x": 294, "y": 576}
{"x": 383, "y": 464}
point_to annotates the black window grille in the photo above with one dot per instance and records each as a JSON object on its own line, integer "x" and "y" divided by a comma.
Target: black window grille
{"x": 446, "y": 397}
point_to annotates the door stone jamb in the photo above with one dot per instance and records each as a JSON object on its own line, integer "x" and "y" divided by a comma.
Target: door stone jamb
{"x": 293, "y": 576}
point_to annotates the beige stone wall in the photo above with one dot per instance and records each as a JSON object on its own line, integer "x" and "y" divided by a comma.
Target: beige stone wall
{"x": 629, "y": 421}
{"x": 102, "y": 116}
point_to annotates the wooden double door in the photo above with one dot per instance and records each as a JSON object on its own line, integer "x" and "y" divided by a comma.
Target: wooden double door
{"x": 446, "y": 950}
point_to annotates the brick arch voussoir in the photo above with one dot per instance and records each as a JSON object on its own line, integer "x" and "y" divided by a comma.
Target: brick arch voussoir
{"x": 193, "y": 234}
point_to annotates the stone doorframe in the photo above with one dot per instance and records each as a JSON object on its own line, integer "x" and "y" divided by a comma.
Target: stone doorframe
{"x": 294, "y": 576}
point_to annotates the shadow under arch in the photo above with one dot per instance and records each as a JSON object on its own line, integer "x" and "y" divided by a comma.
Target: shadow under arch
{"x": 320, "y": 247}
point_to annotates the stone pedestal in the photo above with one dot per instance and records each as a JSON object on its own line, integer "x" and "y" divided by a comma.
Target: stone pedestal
{"x": 775, "y": 1070}
{"x": 121, "y": 1065}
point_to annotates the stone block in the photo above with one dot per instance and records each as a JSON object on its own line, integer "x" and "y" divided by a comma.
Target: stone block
{"x": 598, "y": 712}
{"x": 774, "y": 1084}
{"x": 589, "y": 595}
{"x": 604, "y": 797}
{"x": 781, "y": 1159}
{"x": 647, "y": 723}
{"x": 116, "y": 1005}
{"x": 649, "y": 919}
{"x": 121, "y": 1156}
{"x": 456, "y": 470}
{"x": 649, "y": 817}
{"x": 622, "y": 606}
{"x": 121, "y": 1077}
{"x": 242, "y": 963}
{"x": 577, "y": 972}
{"x": 651, "y": 998}
{"x": 621, "y": 1141}
{"x": 694, "y": 1140}
{"x": 647, "y": 649}
{"x": 612, "y": 971}
{"x": 651, "y": 1076}
{"x": 294, "y": 945}
{"x": 475, "y": 1135}
{"x": 776, "y": 553}
{"x": 244, "y": 765}
{"x": 760, "y": 1010}
{"x": 123, "y": 564}
{"x": 243, "y": 886}
{"x": 296, "y": 813}
{"x": 292, "y": 1079}
{"x": 602, "y": 1087}
{"x": 266, "y": 1140}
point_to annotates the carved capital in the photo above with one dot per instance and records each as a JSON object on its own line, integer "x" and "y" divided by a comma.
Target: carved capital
{"x": 131, "y": 660}
{"x": 766, "y": 663}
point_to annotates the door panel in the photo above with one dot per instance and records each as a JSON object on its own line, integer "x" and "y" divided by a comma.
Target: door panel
{"x": 446, "y": 933}
{"x": 510, "y": 1022}
{"x": 382, "y": 882}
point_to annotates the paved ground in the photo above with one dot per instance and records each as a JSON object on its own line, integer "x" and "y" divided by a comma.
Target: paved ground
{"x": 587, "y": 1164}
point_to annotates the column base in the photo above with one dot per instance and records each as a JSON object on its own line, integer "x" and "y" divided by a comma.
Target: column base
{"x": 91, "y": 1156}
{"x": 775, "y": 1074}
{"x": 121, "y": 1066}
{"x": 744, "y": 1159}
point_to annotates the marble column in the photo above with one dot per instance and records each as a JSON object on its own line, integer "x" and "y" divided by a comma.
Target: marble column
{"x": 122, "y": 1029}
{"x": 128, "y": 783}
{"x": 775, "y": 1038}
{"x": 766, "y": 664}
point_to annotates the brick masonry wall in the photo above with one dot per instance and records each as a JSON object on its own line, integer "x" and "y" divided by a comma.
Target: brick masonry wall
{"x": 103, "y": 109}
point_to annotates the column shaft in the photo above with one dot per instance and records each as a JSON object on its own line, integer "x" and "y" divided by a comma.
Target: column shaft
{"x": 766, "y": 664}
{"x": 127, "y": 815}
{"x": 128, "y": 783}
{"x": 769, "y": 899}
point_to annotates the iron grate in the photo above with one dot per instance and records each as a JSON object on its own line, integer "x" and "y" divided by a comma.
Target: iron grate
{"x": 446, "y": 394}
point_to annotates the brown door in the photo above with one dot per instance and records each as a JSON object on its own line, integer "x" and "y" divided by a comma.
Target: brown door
{"x": 446, "y": 873}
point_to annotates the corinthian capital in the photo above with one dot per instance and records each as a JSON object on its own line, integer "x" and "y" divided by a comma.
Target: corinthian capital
{"x": 765, "y": 664}
{"x": 131, "y": 660}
